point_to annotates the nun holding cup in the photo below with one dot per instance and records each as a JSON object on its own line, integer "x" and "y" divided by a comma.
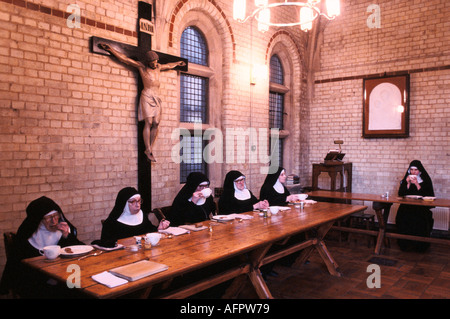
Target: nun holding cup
{"x": 193, "y": 202}
{"x": 414, "y": 219}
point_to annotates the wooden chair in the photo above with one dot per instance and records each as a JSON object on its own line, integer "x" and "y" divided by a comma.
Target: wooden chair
{"x": 9, "y": 238}
{"x": 159, "y": 214}
{"x": 9, "y": 242}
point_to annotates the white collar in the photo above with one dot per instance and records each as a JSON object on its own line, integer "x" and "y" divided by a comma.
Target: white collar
{"x": 131, "y": 219}
{"x": 43, "y": 237}
{"x": 279, "y": 187}
{"x": 241, "y": 194}
{"x": 200, "y": 201}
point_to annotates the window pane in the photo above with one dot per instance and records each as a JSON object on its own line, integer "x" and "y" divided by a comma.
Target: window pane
{"x": 276, "y": 110}
{"x": 276, "y": 70}
{"x": 193, "y": 98}
{"x": 193, "y": 46}
{"x": 194, "y": 161}
{"x": 276, "y": 105}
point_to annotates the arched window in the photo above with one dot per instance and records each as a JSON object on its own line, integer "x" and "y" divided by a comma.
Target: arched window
{"x": 277, "y": 93}
{"x": 194, "y": 92}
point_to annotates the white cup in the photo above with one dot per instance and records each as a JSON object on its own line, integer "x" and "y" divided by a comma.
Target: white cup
{"x": 50, "y": 252}
{"x": 274, "y": 210}
{"x": 206, "y": 192}
{"x": 152, "y": 238}
{"x": 302, "y": 196}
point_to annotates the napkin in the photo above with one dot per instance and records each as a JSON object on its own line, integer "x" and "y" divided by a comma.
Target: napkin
{"x": 108, "y": 279}
{"x": 174, "y": 231}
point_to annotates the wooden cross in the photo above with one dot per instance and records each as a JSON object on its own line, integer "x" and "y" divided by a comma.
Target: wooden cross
{"x": 145, "y": 31}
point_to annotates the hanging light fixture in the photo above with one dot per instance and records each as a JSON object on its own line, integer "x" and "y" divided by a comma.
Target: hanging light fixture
{"x": 309, "y": 11}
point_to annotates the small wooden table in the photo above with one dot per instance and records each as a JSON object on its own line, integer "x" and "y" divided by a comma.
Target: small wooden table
{"x": 248, "y": 240}
{"x": 333, "y": 170}
{"x": 381, "y": 234}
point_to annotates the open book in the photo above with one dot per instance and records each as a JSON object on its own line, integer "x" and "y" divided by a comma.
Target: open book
{"x": 138, "y": 270}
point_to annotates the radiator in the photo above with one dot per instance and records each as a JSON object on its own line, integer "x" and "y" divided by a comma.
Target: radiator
{"x": 441, "y": 216}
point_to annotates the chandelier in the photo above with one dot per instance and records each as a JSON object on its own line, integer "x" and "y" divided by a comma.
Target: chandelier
{"x": 309, "y": 11}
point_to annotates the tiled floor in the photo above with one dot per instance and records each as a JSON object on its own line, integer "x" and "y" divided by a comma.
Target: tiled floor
{"x": 404, "y": 275}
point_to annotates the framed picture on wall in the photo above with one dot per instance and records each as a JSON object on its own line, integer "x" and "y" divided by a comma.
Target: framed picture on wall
{"x": 386, "y": 107}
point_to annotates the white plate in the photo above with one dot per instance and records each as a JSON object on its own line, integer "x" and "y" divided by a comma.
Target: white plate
{"x": 223, "y": 217}
{"x": 413, "y": 196}
{"x": 75, "y": 251}
{"x": 429, "y": 198}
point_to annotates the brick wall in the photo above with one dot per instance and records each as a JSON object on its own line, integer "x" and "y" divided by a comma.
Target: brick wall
{"x": 413, "y": 38}
{"x": 68, "y": 128}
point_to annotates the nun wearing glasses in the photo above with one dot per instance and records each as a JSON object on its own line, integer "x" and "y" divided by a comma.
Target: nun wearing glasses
{"x": 44, "y": 225}
{"x": 127, "y": 219}
{"x": 236, "y": 197}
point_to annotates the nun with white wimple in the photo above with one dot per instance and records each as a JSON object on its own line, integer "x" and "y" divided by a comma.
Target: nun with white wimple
{"x": 415, "y": 219}
{"x": 236, "y": 197}
{"x": 44, "y": 225}
{"x": 127, "y": 219}
{"x": 274, "y": 191}
{"x": 193, "y": 202}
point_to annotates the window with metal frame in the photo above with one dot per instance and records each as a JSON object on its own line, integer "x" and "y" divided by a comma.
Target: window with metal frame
{"x": 191, "y": 153}
{"x": 194, "y": 97}
{"x": 276, "y": 102}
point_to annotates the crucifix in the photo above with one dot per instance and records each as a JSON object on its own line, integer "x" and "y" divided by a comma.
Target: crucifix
{"x": 148, "y": 64}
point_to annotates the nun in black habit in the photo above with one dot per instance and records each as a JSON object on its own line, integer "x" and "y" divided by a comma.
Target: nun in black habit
{"x": 44, "y": 225}
{"x": 127, "y": 219}
{"x": 191, "y": 205}
{"x": 414, "y": 219}
{"x": 274, "y": 191}
{"x": 236, "y": 197}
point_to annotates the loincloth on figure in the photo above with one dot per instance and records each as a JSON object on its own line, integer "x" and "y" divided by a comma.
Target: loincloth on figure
{"x": 149, "y": 105}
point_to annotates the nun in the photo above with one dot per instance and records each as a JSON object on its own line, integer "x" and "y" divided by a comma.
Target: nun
{"x": 274, "y": 191}
{"x": 44, "y": 225}
{"x": 415, "y": 219}
{"x": 236, "y": 197}
{"x": 193, "y": 202}
{"x": 127, "y": 219}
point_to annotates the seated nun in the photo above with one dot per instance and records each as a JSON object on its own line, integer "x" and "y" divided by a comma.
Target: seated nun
{"x": 127, "y": 219}
{"x": 274, "y": 191}
{"x": 236, "y": 197}
{"x": 44, "y": 225}
{"x": 193, "y": 202}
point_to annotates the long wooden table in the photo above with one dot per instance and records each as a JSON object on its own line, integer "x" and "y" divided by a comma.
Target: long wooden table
{"x": 381, "y": 233}
{"x": 254, "y": 243}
